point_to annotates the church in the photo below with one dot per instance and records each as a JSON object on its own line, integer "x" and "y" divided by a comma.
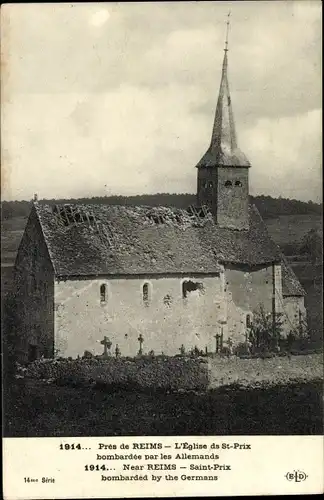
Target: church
{"x": 154, "y": 279}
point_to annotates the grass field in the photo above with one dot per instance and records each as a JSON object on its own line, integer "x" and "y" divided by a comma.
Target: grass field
{"x": 292, "y": 228}
{"x": 34, "y": 409}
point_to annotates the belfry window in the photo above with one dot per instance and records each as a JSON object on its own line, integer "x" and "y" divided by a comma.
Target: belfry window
{"x": 103, "y": 293}
{"x": 228, "y": 184}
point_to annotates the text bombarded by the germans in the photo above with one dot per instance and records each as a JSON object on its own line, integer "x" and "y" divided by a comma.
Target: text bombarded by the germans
{"x": 156, "y": 461}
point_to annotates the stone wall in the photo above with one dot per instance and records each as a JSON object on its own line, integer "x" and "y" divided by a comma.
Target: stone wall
{"x": 207, "y": 180}
{"x": 246, "y": 290}
{"x": 34, "y": 295}
{"x": 233, "y": 197}
{"x": 174, "y": 373}
{"x": 166, "y": 322}
{"x": 226, "y": 191}
{"x": 258, "y": 371}
{"x": 179, "y": 373}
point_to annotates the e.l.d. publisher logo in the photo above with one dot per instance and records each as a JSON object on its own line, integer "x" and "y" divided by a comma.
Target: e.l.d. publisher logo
{"x": 297, "y": 476}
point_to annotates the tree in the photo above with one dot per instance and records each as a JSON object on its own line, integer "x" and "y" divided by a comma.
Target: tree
{"x": 312, "y": 245}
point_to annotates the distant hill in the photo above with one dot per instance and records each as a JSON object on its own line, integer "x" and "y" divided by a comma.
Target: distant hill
{"x": 269, "y": 207}
{"x": 312, "y": 245}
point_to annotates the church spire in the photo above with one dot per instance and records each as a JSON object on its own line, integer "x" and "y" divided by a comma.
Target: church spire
{"x": 223, "y": 150}
{"x": 223, "y": 171}
{"x": 224, "y": 134}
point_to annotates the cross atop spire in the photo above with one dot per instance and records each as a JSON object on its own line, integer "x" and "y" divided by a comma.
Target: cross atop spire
{"x": 227, "y": 31}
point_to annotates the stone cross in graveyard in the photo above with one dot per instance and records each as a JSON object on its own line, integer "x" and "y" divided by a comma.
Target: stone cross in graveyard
{"x": 141, "y": 340}
{"x": 107, "y": 345}
{"x": 218, "y": 337}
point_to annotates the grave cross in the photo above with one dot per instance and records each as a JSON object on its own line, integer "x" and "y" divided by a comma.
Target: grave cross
{"x": 217, "y": 337}
{"x": 107, "y": 345}
{"x": 141, "y": 340}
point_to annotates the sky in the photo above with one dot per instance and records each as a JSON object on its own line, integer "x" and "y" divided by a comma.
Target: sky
{"x": 119, "y": 98}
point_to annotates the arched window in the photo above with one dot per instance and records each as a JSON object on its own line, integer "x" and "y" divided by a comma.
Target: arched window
{"x": 238, "y": 183}
{"x": 248, "y": 321}
{"x": 228, "y": 184}
{"x": 146, "y": 294}
{"x": 103, "y": 293}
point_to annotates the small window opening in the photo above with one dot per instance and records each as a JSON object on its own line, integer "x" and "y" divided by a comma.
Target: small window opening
{"x": 167, "y": 300}
{"x": 238, "y": 183}
{"x": 228, "y": 184}
{"x": 103, "y": 293}
{"x": 248, "y": 321}
{"x": 146, "y": 294}
{"x": 191, "y": 286}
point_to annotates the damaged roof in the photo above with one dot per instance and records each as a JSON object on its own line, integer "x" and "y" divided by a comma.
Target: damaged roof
{"x": 108, "y": 239}
{"x": 223, "y": 150}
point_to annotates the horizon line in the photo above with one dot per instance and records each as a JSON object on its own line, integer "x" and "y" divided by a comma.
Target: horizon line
{"x": 151, "y": 194}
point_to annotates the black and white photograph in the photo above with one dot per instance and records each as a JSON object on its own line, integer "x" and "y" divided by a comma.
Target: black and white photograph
{"x": 161, "y": 225}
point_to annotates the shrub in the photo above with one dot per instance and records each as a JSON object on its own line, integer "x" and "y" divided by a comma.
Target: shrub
{"x": 182, "y": 350}
{"x": 195, "y": 352}
{"x": 153, "y": 373}
{"x": 241, "y": 349}
{"x": 225, "y": 351}
{"x": 265, "y": 331}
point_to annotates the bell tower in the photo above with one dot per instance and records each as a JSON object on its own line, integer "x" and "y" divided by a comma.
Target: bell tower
{"x": 223, "y": 171}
